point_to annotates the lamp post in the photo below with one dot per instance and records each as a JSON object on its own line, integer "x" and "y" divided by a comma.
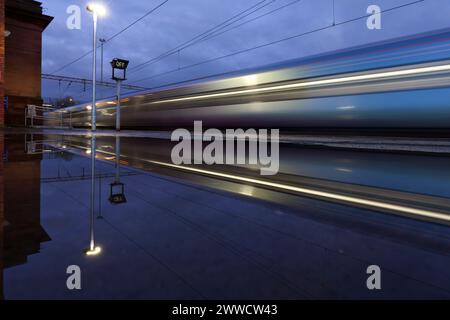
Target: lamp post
{"x": 97, "y": 10}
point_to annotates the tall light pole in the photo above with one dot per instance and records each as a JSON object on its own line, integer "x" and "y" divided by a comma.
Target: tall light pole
{"x": 97, "y": 10}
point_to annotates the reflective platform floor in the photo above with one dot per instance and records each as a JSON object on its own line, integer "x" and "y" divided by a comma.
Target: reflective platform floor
{"x": 193, "y": 235}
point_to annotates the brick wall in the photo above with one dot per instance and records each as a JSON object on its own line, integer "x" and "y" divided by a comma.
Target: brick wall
{"x": 23, "y": 57}
{"x": 2, "y": 60}
{"x": 2, "y": 215}
{"x": 2, "y": 119}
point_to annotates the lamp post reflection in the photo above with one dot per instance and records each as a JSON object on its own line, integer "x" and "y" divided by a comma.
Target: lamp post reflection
{"x": 117, "y": 158}
{"x": 99, "y": 215}
{"x": 92, "y": 250}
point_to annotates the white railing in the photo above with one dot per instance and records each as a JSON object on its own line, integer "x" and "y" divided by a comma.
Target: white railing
{"x": 38, "y": 146}
{"x": 36, "y": 116}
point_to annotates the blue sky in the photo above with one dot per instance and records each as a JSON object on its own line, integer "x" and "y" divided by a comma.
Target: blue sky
{"x": 177, "y": 21}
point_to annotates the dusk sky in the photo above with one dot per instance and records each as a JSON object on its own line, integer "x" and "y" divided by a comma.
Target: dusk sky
{"x": 178, "y": 21}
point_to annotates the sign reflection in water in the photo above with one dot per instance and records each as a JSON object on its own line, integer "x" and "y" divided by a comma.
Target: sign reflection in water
{"x": 117, "y": 188}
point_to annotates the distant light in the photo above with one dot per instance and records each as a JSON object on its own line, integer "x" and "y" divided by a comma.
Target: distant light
{"x": 96, "y": 8}
{"x": 89, "y": 108}
{"x": 346, "y": 108}
{"x": 251, "y": 80}
{"x": 93, "y": 252}
{"x": 88, "y": 151}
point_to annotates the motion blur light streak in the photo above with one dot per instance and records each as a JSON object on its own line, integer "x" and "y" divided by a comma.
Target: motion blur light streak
{"x": 387, "y": 90}
{"x": 373, "y": 76}
{"x": 328, "y": 195}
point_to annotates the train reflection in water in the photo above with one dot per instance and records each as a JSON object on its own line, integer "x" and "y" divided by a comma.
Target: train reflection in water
{"x": 408, "y": 184}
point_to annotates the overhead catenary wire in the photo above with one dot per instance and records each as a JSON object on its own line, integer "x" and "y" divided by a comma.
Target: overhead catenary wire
{"x": 263, "y": 45}
{"x": 112, "y": 37}
{"x": 87, "y": 81}
{"x": 253, "y": 19}
{"x": 216, "y": 34}
{"x": 332, "y": 25}
{"x": 241, "y": 15}
{"x": 259, "y": 5}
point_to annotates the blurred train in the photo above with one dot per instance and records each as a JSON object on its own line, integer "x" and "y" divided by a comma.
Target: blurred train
{"x": 402, "y": 83}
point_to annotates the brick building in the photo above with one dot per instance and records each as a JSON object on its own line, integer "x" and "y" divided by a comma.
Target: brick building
{"x": 24, "y": 23}
{"x": 2, "y": 59}
{"x": 21, "y": 25}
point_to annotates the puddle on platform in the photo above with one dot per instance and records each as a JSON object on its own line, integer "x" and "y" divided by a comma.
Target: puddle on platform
{"x": 163, "y": 238}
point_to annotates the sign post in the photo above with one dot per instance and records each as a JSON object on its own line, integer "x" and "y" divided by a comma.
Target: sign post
{"x": 119, "y": 82}
{"x": 119, "y": 73}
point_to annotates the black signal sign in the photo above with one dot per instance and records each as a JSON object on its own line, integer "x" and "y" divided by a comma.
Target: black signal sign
{"x": 119, "y": 64}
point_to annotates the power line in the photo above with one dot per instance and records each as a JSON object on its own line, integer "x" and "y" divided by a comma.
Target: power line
{"x": 253, "y": 19}
{"x": 208, "y": 32}
{"x": 112, "y": 37}
{"x": 336, "y": 24}
{"x": 216, "y": 34}
{"x": 180, "y": 47}
{"x": 136, "y": 21}
{"x": 71, "y": 80}
{"x": 71, "y": 63}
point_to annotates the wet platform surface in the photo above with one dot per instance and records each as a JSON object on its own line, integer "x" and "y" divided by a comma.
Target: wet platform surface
{"x": 384, "y": 143}
{"x": 176, "y": 239}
